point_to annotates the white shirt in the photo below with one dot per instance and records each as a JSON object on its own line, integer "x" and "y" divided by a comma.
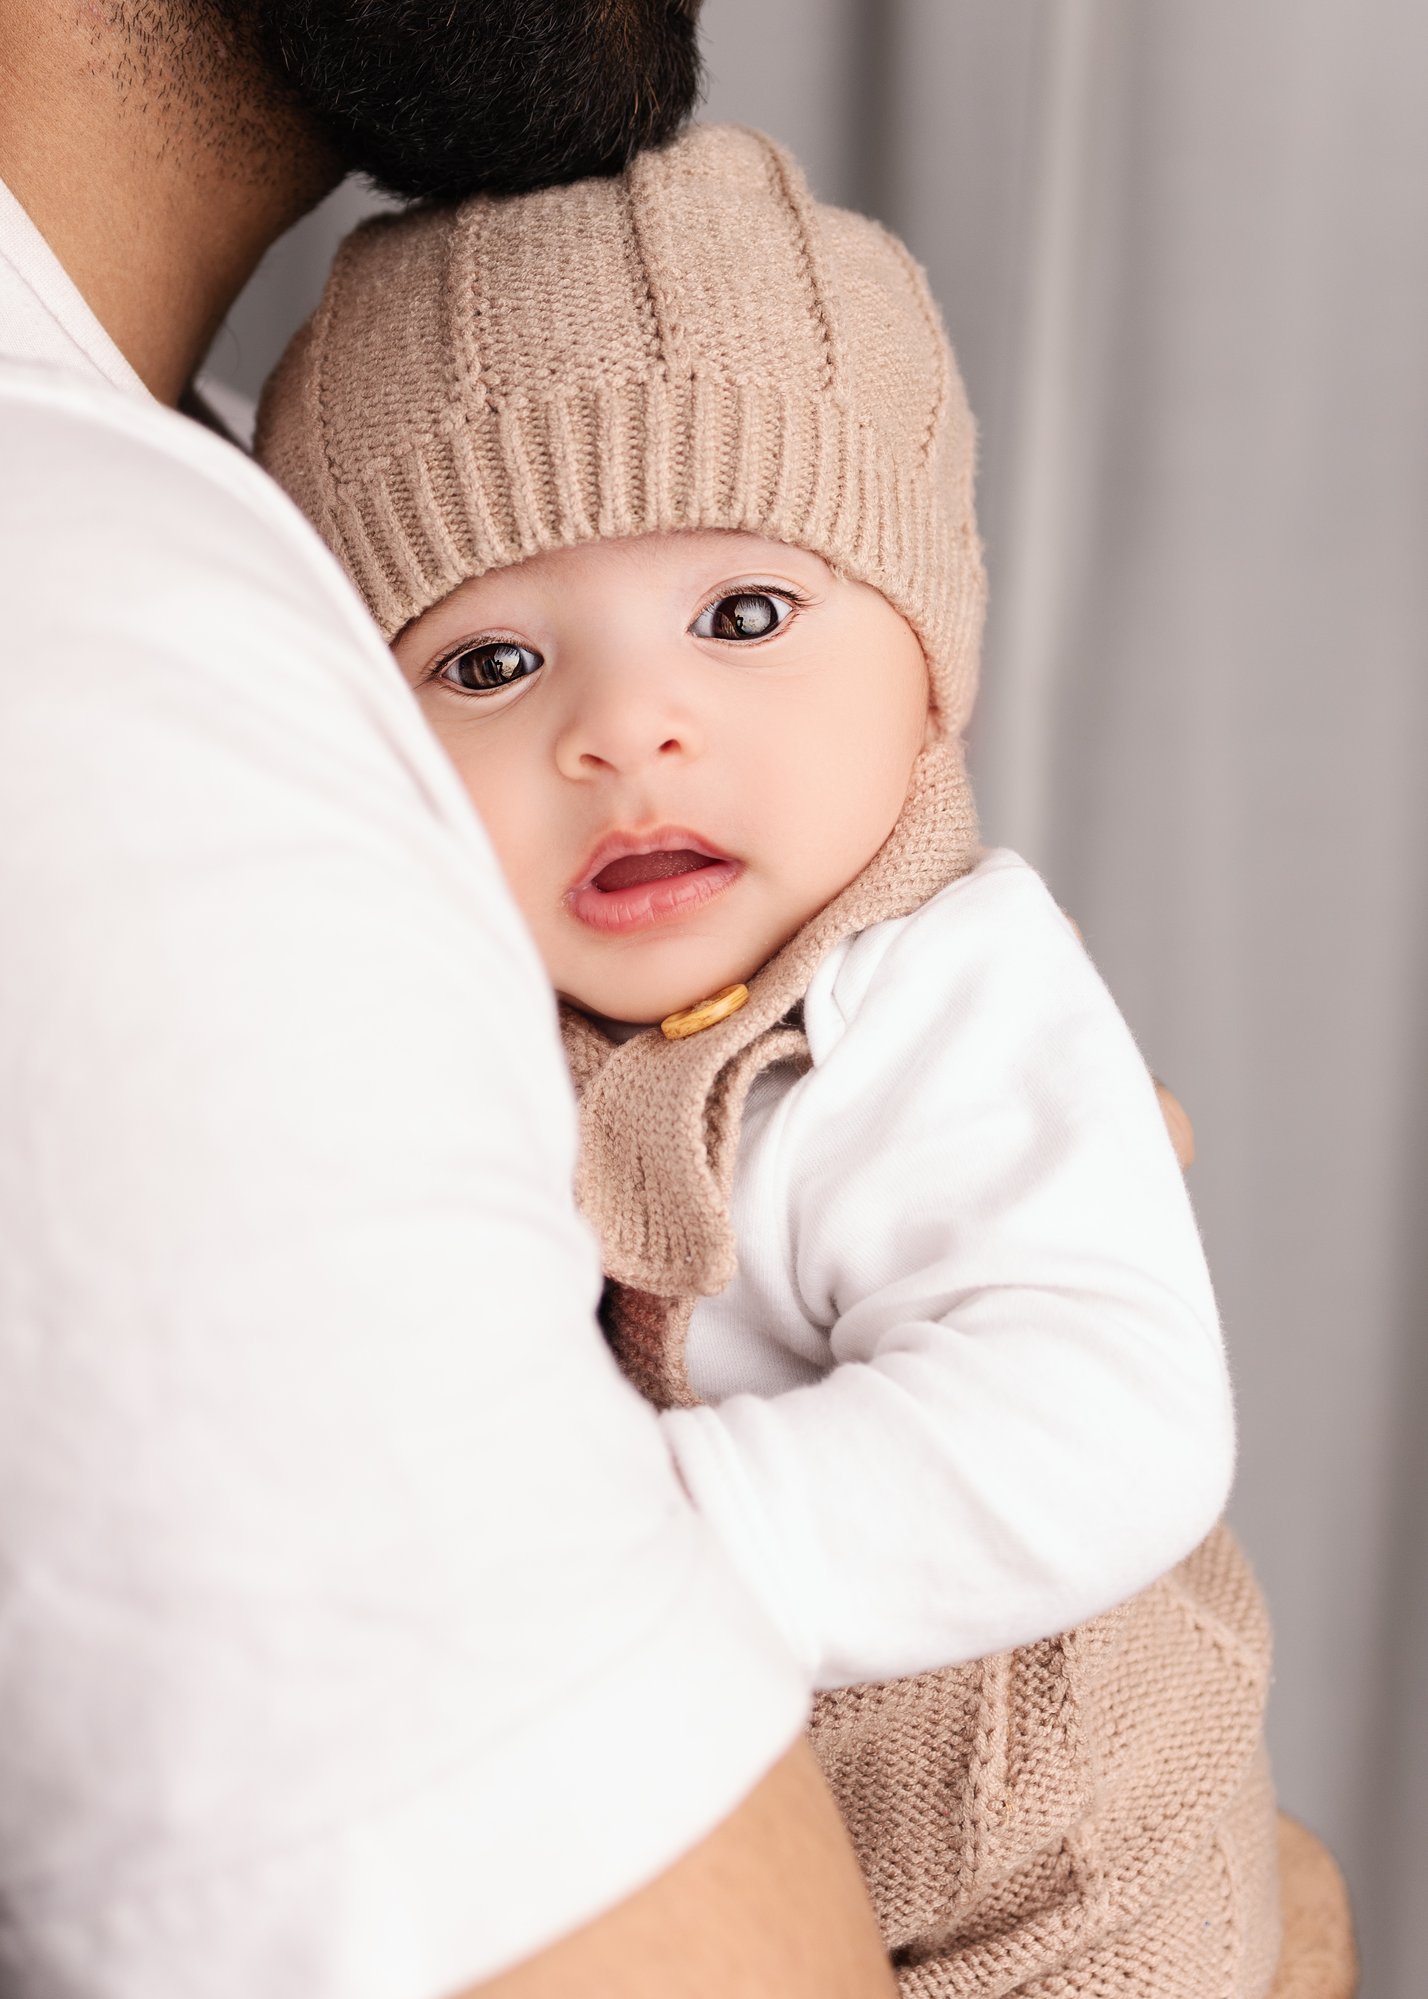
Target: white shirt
{"x": 355, "y": 1638}
{"x": 968, "y": 1384}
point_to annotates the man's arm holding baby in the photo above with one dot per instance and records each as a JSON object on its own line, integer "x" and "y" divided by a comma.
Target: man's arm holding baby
{"x": 770, "y": 1906}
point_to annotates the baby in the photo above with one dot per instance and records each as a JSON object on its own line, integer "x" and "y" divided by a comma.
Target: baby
{"x": 662, "y": 489}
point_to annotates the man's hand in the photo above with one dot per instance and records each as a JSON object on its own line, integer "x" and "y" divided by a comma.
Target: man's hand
{"x": 1177, "y": 1121}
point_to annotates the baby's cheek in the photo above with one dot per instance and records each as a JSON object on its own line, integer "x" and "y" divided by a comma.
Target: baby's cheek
{"x": 533, "y": 896}
{"x": 508, "y": 834}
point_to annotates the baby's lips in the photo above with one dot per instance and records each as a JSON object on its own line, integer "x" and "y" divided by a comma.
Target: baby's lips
{"x": 662, "y": 864}
{"x": 674, "y": 842}
{"x": 624, "y": 908}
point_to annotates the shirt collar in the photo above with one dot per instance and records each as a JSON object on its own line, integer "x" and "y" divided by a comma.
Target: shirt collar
{"x": 43, "y": 314}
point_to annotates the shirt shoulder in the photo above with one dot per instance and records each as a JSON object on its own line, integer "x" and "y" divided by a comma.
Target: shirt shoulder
{"x": 99, "y": 473}
{"x": 362, "y": 1551}
{"x": 1000, "y": 912}
{"x": 148, "y": 563}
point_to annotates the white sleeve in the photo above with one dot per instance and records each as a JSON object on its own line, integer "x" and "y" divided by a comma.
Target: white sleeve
{"x": 355, "y": 1638}
{"x": 1029, "y": 1415}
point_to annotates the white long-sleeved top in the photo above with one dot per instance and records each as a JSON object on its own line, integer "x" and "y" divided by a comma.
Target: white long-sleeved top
{"x": 968, "y": 1386}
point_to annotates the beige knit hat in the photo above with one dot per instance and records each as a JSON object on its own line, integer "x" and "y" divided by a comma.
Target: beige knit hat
{"x": 696, "y": 343}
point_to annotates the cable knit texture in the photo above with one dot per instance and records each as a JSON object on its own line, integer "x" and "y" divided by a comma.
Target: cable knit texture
{"x": 697, "y": 343}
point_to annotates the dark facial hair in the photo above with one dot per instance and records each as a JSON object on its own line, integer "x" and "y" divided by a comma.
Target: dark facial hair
{"x": 446, "y": 98}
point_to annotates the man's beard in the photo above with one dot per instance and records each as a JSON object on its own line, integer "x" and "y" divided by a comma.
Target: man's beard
{"x": 454, "y": 97}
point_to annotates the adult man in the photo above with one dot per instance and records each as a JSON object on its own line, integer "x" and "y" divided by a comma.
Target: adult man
{"x": 345, "y": 1648}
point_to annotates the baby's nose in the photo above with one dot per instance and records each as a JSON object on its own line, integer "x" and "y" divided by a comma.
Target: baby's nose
{"x": 622, "y": 723}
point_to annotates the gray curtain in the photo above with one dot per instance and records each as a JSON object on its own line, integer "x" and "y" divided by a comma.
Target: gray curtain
{"x": 1183, "y": 252}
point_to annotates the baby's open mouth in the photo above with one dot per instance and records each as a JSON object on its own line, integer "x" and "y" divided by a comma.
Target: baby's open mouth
{"x": 670, "y": 877}
{"x": 632, "y": 869}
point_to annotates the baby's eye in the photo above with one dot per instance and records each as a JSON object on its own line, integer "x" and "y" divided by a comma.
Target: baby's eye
{"x": 743, "y": 614}
{"x": 488, "y": 667}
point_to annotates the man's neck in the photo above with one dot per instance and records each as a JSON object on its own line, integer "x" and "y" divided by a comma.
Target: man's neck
{"x": 153, "y": 165}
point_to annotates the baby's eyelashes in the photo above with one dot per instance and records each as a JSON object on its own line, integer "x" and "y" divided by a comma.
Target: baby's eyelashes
{"x": 746, "y": 614}
{"x": 487, "y": 666}
{"x": 483, "y": 667}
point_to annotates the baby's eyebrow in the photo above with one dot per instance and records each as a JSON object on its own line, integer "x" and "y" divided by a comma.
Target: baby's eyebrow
{"x": 770, "y": 561}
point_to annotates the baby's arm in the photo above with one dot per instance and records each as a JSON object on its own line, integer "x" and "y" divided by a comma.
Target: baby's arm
{"x": 1029, "y": 1414}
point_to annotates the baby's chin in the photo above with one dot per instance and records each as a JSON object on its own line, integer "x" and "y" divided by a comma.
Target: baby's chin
{"x": 642, "y": 982}
{"x": 634, "y": 1002}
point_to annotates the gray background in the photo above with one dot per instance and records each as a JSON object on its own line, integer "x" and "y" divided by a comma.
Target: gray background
{"x": 1183, "y": 252}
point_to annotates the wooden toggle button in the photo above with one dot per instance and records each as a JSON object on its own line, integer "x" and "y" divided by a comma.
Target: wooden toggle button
{"x": 708, "y": 1013}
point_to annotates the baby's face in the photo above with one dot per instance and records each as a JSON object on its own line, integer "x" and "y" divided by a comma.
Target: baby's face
{"x": 682, "y": 746}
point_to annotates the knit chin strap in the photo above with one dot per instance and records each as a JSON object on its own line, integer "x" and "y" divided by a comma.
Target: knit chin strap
{"x": 660, "y": 1119}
